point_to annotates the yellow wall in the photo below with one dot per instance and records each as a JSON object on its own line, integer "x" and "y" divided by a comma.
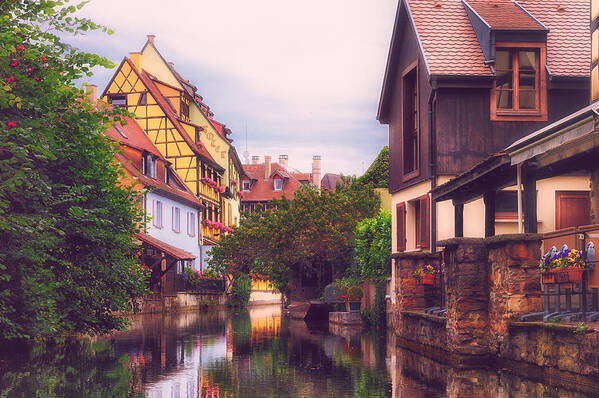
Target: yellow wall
{"x": 153, "y": 63}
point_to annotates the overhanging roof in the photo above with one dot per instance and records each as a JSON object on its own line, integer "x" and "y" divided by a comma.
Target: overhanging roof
{"x": 169, "y": 250}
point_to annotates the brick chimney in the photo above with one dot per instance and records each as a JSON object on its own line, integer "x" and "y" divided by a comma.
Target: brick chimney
{"x": 135, "y": 58}
{"x": 267, "y": 166}
{"x": 316, "y": 171}
{"x": 92, "y": 92}
{"x": 255, "y": 159}
{"x": 283, "y": 160}
{"x": 151, "y": 38}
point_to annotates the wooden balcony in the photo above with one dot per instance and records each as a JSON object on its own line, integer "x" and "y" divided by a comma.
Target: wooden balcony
{"x": 211, "y": 233}
{"x": 209, "y": 192}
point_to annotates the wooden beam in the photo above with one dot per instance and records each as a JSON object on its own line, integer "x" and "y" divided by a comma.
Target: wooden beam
{"x": 458, "y": 209}
{"x": 529, "y": 182}
{"x": 489, "y": 199}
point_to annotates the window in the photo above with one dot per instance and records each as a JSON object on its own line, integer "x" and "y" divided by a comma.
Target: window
{"x": 229, "y": 214}
{"x": 198, "y": 134}
{"x": 519, "y": 92}
{"x": 410, "y": 123}
{"x": 179, "y": 267}
{"x": 149, "y": 165}
{"x": 506, "y": 205}
{"x": 191, "y": 223}
{"x": 278, "y": 184}
{"x": 118, "y": 100}
{"x": 245, "y": 185}
{"x": 400, "y": 216}
{"x": 143, "y": 99}
{"x": 158, "y": 213}
{"x": 184, "y": 110}
{"x": 421, "y": 221}
{"x": 176, "y": 219}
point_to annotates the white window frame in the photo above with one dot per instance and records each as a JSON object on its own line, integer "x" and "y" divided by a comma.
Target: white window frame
{"x": 149, "y": 166}
{"x": 277, "y": 181}
{"x": 245, "y": 188}
{"x": 191, "y": 223}
{"x": 180, "y": 267}
{"x": 176, "y": 219}
{"x": 158, "y": 213}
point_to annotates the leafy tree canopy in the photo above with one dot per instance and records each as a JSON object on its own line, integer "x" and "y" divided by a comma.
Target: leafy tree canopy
{"x": 373, "y": 246}
{"x": 378, "y": 173}
{"x": 311, "y": 234}
{"x": 67, "y": 223}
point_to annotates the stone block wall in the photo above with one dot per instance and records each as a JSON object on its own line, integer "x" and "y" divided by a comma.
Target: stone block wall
{"x": 514, "y": 281}
{"x": 467, "y": 295}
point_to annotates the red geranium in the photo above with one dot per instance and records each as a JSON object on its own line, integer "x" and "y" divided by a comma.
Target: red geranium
{"x": 11, "y": 125}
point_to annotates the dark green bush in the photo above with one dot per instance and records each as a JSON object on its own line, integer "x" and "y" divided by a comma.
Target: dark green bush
{"x": 241, "y": 290}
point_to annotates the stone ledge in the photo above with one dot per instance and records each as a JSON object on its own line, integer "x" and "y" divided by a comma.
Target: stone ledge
{"x": 507, "y": 238}
{"x": 430, "y": 317}
{"x": 555, "y": 327}
{"x": 458, "y": 241}
{"x": 346, "y": 318}
{"x": 415, "y": 255}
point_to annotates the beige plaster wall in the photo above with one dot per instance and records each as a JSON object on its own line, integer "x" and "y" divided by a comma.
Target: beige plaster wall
{"x": 406, "y": 195}
{"x": 385, "y": 198}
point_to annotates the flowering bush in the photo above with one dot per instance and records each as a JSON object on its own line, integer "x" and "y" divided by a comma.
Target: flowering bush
{"x": 430, "y": 269}
{"x": 354, "y": 293}
{"x": 566, "y": 259}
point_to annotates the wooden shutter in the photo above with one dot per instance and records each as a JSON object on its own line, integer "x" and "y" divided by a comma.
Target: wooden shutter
{"x": 424, "y": 219}
{"x": 401, "y": 226}
{"x": 572, "y": 208}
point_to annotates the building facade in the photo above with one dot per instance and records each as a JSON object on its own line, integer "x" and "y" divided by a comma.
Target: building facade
{"x": 464, "y": 79}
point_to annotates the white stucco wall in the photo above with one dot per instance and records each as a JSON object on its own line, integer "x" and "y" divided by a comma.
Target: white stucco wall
{"x": 166, "y": 234}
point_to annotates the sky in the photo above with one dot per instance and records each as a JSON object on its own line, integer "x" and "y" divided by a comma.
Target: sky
{"x": 303, "y": 78}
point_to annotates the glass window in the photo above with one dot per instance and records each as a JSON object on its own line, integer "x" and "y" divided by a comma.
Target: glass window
{"x": 158, "y": 216}
{"x": 517, "y": 80}
{"x": 278, "y": 184}
{"x": 118, "y": 100}
{"x": 191, "y": 223}
{"x": 176, "y": 219}
{"x": 149, "y": 166}
{"x": 245, "y": 185}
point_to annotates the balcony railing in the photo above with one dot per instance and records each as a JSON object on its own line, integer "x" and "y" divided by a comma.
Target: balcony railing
{"x": 209, "y": 191}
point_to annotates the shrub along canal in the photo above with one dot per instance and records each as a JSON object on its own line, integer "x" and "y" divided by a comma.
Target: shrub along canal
{"x": 255, "y": 353}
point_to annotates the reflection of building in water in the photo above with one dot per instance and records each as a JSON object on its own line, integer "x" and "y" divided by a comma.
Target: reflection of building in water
{"x": 266, "y": 322}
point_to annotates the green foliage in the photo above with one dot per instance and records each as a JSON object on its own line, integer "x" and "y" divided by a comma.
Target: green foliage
{"x": 241, "y": 290}
{"x": 373, "y": 246}
{"x": 378, "y": 173}
{"x": 581, "y": 328}
{"x": 311, "y": 234}
{"x": 377, "y": 315}
{"x": 354, "y": 293}
{"x": 68, "y": 258}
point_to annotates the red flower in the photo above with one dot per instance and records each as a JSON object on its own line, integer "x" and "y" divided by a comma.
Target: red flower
{"x": 21, "y": 47}
{"x": 43, "y": 58}
{"x": 37, "y": 79}
{"x": 11, "y": 125}
{"x": 14, "y": 64}
{"x": 29, "y": 70}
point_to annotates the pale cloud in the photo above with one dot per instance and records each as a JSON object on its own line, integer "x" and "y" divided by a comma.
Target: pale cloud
{"x": 304, "y": 77}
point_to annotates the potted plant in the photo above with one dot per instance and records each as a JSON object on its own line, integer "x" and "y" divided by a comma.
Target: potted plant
{"x": 354, "y": 297}
{"x": 567, "y": 266}
{"x": 426, "y": 273}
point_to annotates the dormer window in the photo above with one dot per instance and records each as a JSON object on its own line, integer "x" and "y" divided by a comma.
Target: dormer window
{"x": 278, "y": 184}
{"x": 520, "y": 91}
{"x": 149, "y": 165}
{"x": 245, "y": 185}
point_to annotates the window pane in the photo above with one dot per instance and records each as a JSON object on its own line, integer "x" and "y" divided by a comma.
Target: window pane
{"x": 528, "y": 100}
{"x": 504, "y": 80}
{"x": 505, "y": 100}
{"x": 527, "y": 60}
{"x": 503, "y": 59}
{"x": 528, "y": 80}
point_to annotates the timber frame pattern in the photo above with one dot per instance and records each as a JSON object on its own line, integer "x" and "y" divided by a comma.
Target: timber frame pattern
{"x": 163, "y": 113}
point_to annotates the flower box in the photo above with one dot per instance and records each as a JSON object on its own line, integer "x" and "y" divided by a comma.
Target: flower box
{"x": 548, "y": 277}
{"x": 353, "y": 306}
{"x": 575, "y": 275}
{"x": 427, "y": 279}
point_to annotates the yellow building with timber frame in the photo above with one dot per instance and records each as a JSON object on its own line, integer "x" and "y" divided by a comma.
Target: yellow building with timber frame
{"x": 183, "y": 128}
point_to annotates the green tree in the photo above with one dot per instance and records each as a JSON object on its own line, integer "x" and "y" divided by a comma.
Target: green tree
{"x": 311, "y": 236}
{"x": 67, "y": 222}
{"x": 378, "y": 173}
{"x": 373, "y": 246}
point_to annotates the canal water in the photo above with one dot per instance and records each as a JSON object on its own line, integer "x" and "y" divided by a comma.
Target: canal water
{"x": 255, "y": 353}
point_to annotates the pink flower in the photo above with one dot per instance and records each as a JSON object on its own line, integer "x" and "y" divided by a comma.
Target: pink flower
{"x": 11, "y": 125}
{"x": 29, "y": 70}
{"x": 21, "y": 47}
{"x": 14, "y": 64}
{"x": 43, "y": 58}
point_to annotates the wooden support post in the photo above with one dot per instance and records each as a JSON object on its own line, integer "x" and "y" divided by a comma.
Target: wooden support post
{"x": 489, "y": 199}
{"x": 595, "y": 196}
{"x": 530, "y": 200}
{"x": 458, "y": 209}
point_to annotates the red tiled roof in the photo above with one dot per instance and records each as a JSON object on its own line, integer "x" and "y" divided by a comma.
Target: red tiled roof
{"x": 329, "y": 181}
{"x": 263, "y": 189}
{"x": 303, "y": 176}
{"x": 172, "y": 251}
{"x": 504, "y": 14}
{"x": 569, "y": 38}
{"x": 448, "y": 40}
{"x": 134, "y": 137}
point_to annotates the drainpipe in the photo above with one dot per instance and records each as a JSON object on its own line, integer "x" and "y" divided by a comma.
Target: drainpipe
{"x": 432, "y": 166}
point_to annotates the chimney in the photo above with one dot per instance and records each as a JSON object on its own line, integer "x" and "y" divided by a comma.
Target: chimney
{"x": 136, "y": 60}
{"x": 283, "y": 160}
{"x": 92, "y": 92}
{"x": 151, "y": 38}
{"x": 595, "y": 50}
{"x": 255, "y": 159}
{"x": 316, "y": 171}
{"x": 267, "y": 167}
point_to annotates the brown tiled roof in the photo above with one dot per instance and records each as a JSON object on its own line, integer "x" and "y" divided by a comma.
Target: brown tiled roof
{"x": 172, "y": 251}
{"x": 263, "y": 189}
{"x": 448, "y": 39}
{"x": 329, "y": 181}
{"x": 569, "y": 38}
{"x": 504, "y": 14}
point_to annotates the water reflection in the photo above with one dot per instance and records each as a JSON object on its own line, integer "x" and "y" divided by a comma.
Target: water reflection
{"x": 255, "y": 353}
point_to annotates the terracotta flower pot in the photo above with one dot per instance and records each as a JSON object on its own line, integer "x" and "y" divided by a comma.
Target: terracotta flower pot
{"x": 575, "y": 275}
{"x": 427, "y": 279}
{"x": 548, "y": 277}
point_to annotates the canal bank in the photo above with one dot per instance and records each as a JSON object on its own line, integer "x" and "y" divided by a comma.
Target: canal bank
{"x": 474, "y": 316}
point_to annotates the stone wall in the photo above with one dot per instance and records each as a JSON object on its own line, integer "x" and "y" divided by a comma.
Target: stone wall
{"x": 180, "y": 302}
{"x": 425, "y": 329}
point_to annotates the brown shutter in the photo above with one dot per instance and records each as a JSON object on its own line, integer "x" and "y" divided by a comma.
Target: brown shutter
{"x": 401, "y": 226}
{"x": 424, "y": 222}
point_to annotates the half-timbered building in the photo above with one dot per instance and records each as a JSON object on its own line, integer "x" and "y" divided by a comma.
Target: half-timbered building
{"x": 464, "y": 79}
